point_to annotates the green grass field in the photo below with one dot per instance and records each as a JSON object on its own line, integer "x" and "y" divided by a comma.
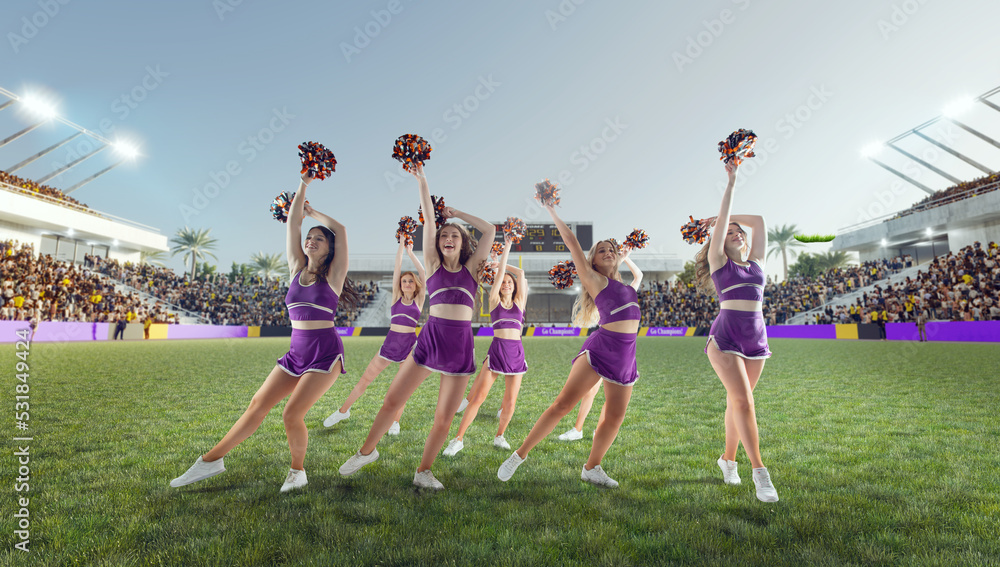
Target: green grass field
{"x": 882, "y": 453}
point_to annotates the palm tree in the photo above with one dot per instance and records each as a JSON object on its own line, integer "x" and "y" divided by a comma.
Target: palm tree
{"x": 151, "y": 257}
{"x": 267, "y": 265}
{"x": 194, "y": 243}
{"x": 832, "y": 260}
{"x": 782, "y": 240}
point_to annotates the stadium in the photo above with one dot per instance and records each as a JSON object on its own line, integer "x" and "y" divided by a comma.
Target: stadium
{"x": 873, "y": 412}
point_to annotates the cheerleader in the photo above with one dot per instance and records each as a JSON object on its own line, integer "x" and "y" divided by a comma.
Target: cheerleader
{"x": 737, "y": 341}
{"x": 316, "y": 357}
{"x": 407, "y": 303}
{"x": 506, "y": 355}
{"x": 608, "y": 354}
{"x": 445, "y": 343}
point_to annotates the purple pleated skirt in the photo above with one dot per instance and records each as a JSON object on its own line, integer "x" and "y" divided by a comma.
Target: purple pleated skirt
{"x": 313, "y": 350}
{"x": 506, "y": 356}
{"x": 611, "y": 355}
{"x": 446, "y": 346}
{"x": 741, "y": 333}
{"x": 397, "y": 346}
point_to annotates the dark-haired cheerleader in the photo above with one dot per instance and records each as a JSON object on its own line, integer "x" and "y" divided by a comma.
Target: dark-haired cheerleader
{"x": 316, "y": 357}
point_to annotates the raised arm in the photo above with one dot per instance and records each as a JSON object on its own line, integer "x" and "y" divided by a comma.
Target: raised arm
{"x": 421, "y": 274}
{"x": 488, "y": 230}
{"x": 636, "y": 272}
{"x": 338, "y": 267}
{"x": 717, "y": 248}
{"x": 431, "y": 260}
{"x": 588, "y": 277}
{"x": 501, "y": 270}
{"x": 293, "y": 239}
{"x": 396, "y": 271}
{"x": 758, "y": 226}
{"x": 522, "y": 286}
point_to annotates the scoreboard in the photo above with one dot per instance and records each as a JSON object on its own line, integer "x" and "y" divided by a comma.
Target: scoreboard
{"x": 538, "y": 237}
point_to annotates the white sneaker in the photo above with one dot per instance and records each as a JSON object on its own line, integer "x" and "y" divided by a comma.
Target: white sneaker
{"x": 765, "y": 490}
{"x": 463, "y": 405}
{"x": 295, "y": 479}
{"x": 394, "y": 428}
{"x": 200, "y": 470}
{"x": 573, "y": 434}
{"x": 729, "y": 473}
{"x": 426, "y": 479}
{"x": 509, "y": 466}
{"x": 453, "y": 447}
{"x": 357, "y": 461}
{"x": 499, "y": 441}
{"x": 336, "y": 417}
{"x": 597, "y": 476}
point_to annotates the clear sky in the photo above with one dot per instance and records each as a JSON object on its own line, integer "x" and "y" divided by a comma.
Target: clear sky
{"x": 626, "y": 101}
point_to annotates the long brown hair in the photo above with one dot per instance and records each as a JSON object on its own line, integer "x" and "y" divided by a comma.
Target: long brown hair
{"x": 467, "y": 249}
{"x": 584, "y": 309}
{"x": 349, "y": 296}
{"x": 702, "y": 272}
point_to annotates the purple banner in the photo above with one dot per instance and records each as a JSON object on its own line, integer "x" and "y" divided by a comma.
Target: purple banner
{"x": 974, "y": 331}
{"x": 556, "y": 332}
{"x": 206, "y": 332}
{"x": 666, "y": 331}
{"x": 484, "y": 332}
{"x": 345, "y": 331}
{"x": 51, "y": 332}
{"x": 801, "y": 331}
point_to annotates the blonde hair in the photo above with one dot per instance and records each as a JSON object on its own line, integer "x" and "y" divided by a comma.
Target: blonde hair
{"x": 584, "y": 309}
{"x": 702, "y": 272}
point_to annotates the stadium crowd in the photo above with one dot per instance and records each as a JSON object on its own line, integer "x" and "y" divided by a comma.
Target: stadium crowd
{"x": 43, "y": 289}
{"x": 36, "y": 189}
{"x": 955, "y": 193}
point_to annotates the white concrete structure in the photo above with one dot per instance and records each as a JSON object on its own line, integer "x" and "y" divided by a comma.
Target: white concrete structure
{"x": 67, "y": 232}
{"x": 926, "y": 233}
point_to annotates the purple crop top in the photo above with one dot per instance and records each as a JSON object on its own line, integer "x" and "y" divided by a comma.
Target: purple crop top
{"x": 501, "y": 318}
{"x": 314, "y": 302}
{"x": 617, "y": 302}
{"x": 452, "y": 288}
{"x": 404, "y": 315}
{"x": 733, "y": 281}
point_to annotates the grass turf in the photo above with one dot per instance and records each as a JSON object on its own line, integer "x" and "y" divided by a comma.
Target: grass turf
{"x": 882, "y": 453}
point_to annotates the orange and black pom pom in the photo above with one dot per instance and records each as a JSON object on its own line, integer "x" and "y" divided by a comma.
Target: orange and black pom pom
{"x": 317, "y": 159}
{"x": 407, "y": 226}
{"x": 636, "y": 240}
{"x": 737, "y": 146}
{"x": 516, "y": 228}
{"x": 496, "y": 250}
{"x": 487, "y": 272}
{"x": 561, "y": 275}
{"x": 439, "y": 219}
{"x": 281, "y": 205}
{"x": 547, "y": 193}
{"x": 411, "y": 150}
{"x": 696, "y": 231}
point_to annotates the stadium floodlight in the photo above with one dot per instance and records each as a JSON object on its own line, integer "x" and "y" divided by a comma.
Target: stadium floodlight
{"x": 871, "y": 150}
{"x": 929, "y": 231}
{"x": 114, "y": 242}
{"x": 883, "y": 243}
{"x": 69, "y": 231}
{"x": 126, "y": 149}
{"x": 38, "y": 107}
{"x": 956, "y": 108}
